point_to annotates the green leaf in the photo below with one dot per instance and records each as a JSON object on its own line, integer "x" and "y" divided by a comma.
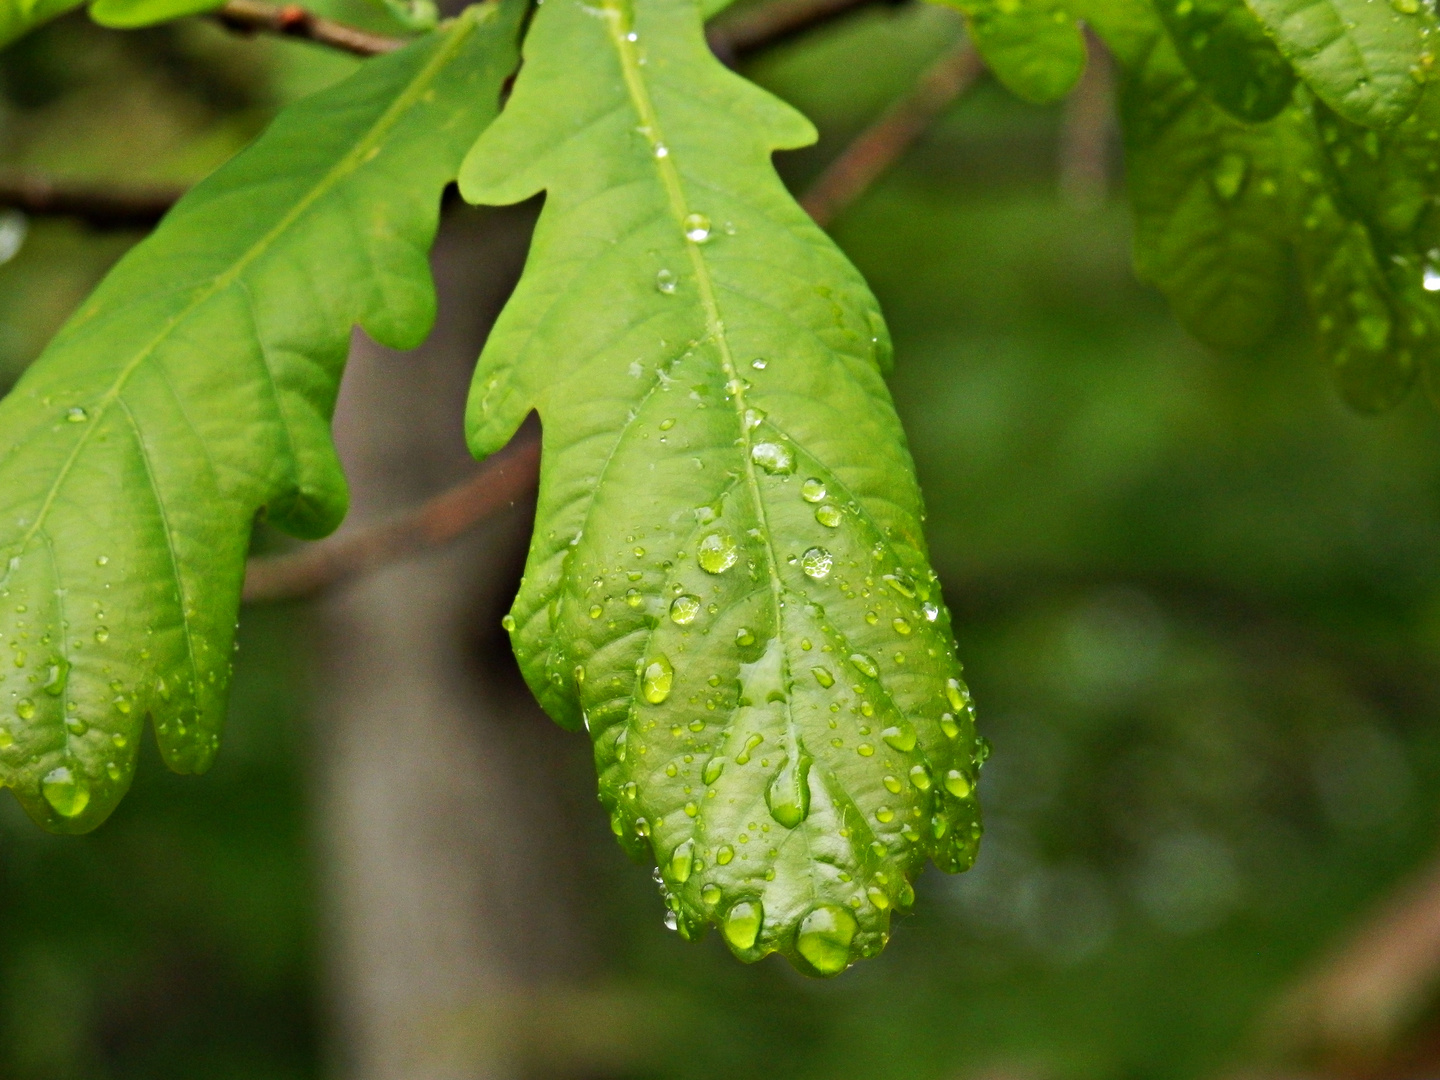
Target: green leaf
{"x": 1228, "y": 53}
{"x": 129, "y": 14}
{"x": 1364, "y": 58}
{"x": 19, "y": 17}
{"x": 1209, "y": 209}
{"x": 1032, "y": 46}
{"x": 194, "y": 388}
{"x": 727, "y": 584}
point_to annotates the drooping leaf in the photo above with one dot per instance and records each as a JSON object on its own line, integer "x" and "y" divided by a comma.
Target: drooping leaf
{"x": 1034, "y": 47}
{"x": 19, "y": 17}
{"x": 194, "y": 388}
{"x": 1228, "y": 53}
{"x": 1366, "y": 59}
{"x": 727, "y": 584}
{"x": 1210, "y": 222}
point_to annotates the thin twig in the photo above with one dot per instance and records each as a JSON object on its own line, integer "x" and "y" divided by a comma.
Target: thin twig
{"x": 880, "y": 145}
{"x": 1089, "y": 130}
{"x": 104, "y": 206}
{"x": 500, "y": 482}
{"x": 734, "y": 36}
{"x": 292, "y": 20}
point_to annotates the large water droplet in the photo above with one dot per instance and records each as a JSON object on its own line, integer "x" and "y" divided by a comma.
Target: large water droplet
{"x": 816, "y": 562}
{"x": 812, "y": 490}
{"x": 920, "y": 777}
{"x": 697, "y": 228}
{"x": 682, "y": 860}
{"x": 67, "y": 793}
{"x": 824, "y": 938}
{"x": 773, "y": 457}
{"x": 828, "y": 515}
{"x": 55, "y": 676}
{"x": 659, "y": 676}
{"x": 725, "y": 855}
{"x": 713, "y": 768}
{"x": 957, "y": 783}
{"x": 955, "y": 693}
{"x": 742, "y": 924}
{"x": 864, "y": 664}
{"x": 901, "y": 737}
{"x": 717, "y": 553}
{"x": 684, "y": 608}
{"x": 788, "y": 795}
{"x": 508, "y": 624}
{"x": 823, "y": 676}
{"x": 949, "y": 726}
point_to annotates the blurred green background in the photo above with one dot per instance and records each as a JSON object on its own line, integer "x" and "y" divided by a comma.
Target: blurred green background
{"x": 1198, "y": 602}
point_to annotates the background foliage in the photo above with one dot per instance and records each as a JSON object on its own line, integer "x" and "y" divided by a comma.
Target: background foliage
{"x": 1195, "y": 594}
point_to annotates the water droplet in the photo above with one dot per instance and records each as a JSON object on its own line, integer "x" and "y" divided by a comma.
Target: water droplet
{"x": 713, "y": 768}
{"x": 102, "y": 635}
{"x": 6, "y": 739}
{"x": 957, "y": 783}
{"x": 76, "y": 415}
{"x": 1430, "y": 280}
{"x": 634, "y": 598}
{"x": 828, "y": 515}
{"x": 788, "y": 795}
{"x": 724, "y": 855}
{"x": 920, "y": 777}
{"x": 667, "y": 423}
{"x": 812, "y": 490}
{"x": 901, "y": 736}
{"x": 743, "y": 758}
{"x": 716, "y": 553}
{"x": 67, "y": 793}
{"x": 697, "y": 228}
{"x": 948, "y": 725}
{"x": 742, "y": 924}
{"x": 672, "y": 921}
{"x": 759, "y": 363}
{"x": 824, "y": 938}
{"x": 55, "y": 677}
{"x": 773, "y": 457}
{"x": 25, "y": 709}
{"x": 892, "y": 784}
{"x": 816, "y": 562}
{"x": 884, "y": 814}
{"x": 710, "y": 894}
{"x": 902, "y": 626}
{"x": 119, "y": 740}
{"x": 878, "y": 897}
{"x": 682, "y": 860}
{"x": 642, "y": 827}
{"x": 112, "y": 770}
{"x": 658, "y": 678}
{"x": 661, "y": 150}
{"x": 684, "y": 608}
{"x": 691, "y": 809}
{"x": 665, "y": 282}
{"x": 102, "y": 560}
{"x": 596, "y": 611}
{"x": 1229, "y": 175}
{"x": 931, "y": 611}
{"x": 865, "y": 665}
{"x": 823, "y": 676}
{"x": 901, "y": 584}
{"x": 76, "y": 726}
{"x": 508, "y": 623}
{"x": 955, "y": 693}
{"x": 865, "y": 750}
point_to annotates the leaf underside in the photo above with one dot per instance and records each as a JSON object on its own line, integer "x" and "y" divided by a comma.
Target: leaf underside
{"x": 727, "y": 583}
{"x": 193, "y": 389}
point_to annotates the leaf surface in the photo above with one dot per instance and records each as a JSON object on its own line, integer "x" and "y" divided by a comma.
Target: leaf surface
{"x": 194, "y": 388}
{"x": 727, "y": 584}
{"x": 129, "y": 14}
{"x": 19, "y": 17}
{"x": 1229, "y": 54}
{"x": 1363, "y": 58}
{"x": 1034, "y": 47}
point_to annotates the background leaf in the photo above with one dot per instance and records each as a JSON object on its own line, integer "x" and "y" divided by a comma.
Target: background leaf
{"x": 1228, "y": 53}
{"x": 1366, "y": 59}
{"x": 194, "y": 388}
{"x": 727, "y": 582}
{"x": 1033, "y": 47}
{"x": 18, "y": 17}
{"x": 128, "y": 14}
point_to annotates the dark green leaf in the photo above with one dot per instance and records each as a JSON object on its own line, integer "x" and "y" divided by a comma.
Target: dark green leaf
{"x": 1229, "y": 54}
{"x": 128, "y": 14}
{"x": 728, "y": 584}
{"x": 18, "y": 17}
{"x": 194, "y": 388}
{"x": 1034, "y": 47}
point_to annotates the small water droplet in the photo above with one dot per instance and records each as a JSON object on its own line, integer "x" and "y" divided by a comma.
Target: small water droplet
{"x": 684, "y": 608}
{"x": 661, "y": 150}
{"x": 864, "y": 664}
{"x": 828, "y": 515}
{"x": 102, "y": 635}
{"x": 596, "y": 611}
{"x": 865, "y": 750}
{"x": 957, "y": 783}
{"x": 713, "y": 768}
{"x": 102, "y": 560}
{"x": 878, "y": 897}
{"x": 773, "y": 457}
{"x": 893, "y": 785}
{"x": 66, "y": 793}
{"x": 25, "y": 709}
{"x": 119, "y": 740}
{"x": 823, "y": 676}
{"x": 112, "y": 770}
{"x": 697, "y": 228}
{"x": 931, "y": 611}
{"x": 76, "y": 415}
{"x": 1430, "y": 280}
{"x": 508, "y": 623}
{"x": 657, "y": 680}
{"x": 884, "y": 814}
{"x": 682, "y": 860}
{"x": 634, "y": 598}
{"x": 672, "y": 921}
{"x": 788, "y": 795}
{"x": 920, "y": 777}
{"x": 955, "y": 693}
{"x": 816, "y": 562}
{"x": 667, "y": 423}
{"x": 759, "y": 363}
{"x": 742, "y": 924}
{"x": 949, "y": 726}
{"x": 1229, "y": 175}
{"x": 812, "y": 490}
{"x": 710, "y": 894}
{"x": 716, "y": 553}
{"x": 901, "y": 737}
{"x": 724, "y": 855}
{"x": 55, "y": 677}
{"x": 665, "y": 282}
{"x": 824, "y": 938}
{"x": 691, "y": 809}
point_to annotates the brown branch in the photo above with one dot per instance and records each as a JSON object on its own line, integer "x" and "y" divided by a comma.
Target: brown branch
{"x": 501, "y": 481}
{"x": 1089, "y": 130}
{"x": 104, "y": 206}
{"x": 733, "y": 36}
{"x": 880, "y": 145}
{"x": 292, "y": 20}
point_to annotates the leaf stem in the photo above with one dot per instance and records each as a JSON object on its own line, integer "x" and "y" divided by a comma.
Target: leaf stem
{"x": 292, "y": 20}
